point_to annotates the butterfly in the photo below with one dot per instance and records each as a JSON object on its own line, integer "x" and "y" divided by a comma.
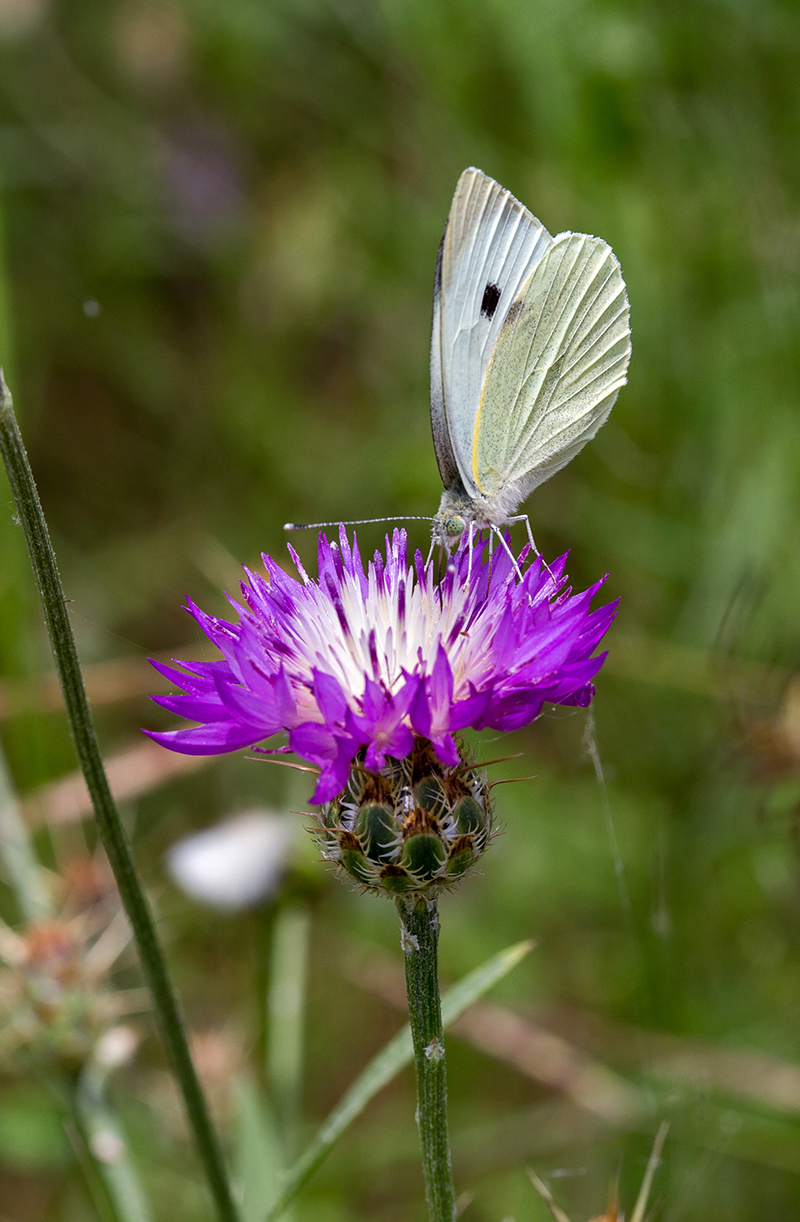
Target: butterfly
{"x": 529, "y": 349}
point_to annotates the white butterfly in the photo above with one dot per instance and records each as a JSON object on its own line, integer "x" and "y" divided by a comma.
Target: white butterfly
{"x": 530, "y": 346}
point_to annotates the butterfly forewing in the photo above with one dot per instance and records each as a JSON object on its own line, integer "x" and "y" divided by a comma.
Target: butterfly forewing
{"x": 556, "y": 369}
{"x": 490, "y": 247}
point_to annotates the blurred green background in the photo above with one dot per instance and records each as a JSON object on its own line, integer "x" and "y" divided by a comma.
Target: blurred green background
{"x": 219, "y": 228}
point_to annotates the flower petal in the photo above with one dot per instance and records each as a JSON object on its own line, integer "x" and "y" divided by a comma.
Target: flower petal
{"x": 367, "y": 656}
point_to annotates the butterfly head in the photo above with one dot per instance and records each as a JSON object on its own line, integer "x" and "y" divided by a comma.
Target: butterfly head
{"x": 457, "y": 511}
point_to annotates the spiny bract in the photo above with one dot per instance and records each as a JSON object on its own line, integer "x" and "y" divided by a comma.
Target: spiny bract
{"x": 415, "y": 827}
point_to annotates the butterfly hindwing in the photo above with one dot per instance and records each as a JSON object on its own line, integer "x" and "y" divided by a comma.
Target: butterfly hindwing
{"x": 555, "y": 371}
{"x": 490, "y": 247}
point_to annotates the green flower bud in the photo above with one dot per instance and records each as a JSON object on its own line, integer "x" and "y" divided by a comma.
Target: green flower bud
{"x": 415, "y": 827}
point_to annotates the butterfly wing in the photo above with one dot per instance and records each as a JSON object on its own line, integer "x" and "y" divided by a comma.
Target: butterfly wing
{"x": 556, "y": 369}
{"x": 490, "y": 247}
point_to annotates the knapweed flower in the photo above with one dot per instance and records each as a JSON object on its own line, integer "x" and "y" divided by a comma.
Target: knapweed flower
{"x": 57, "y": 998}
{"x": 365, "y": 668}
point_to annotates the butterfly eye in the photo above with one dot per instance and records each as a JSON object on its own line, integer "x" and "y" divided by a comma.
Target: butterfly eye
{"x": 455, "y": 527}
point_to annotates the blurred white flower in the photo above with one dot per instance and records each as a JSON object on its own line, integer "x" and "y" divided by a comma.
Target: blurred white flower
{"x": 236, "y": 864}
{"x": 116, "y": 1047}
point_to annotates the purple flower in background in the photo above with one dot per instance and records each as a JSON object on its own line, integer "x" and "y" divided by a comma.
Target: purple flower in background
{"x": 370, "y": 660}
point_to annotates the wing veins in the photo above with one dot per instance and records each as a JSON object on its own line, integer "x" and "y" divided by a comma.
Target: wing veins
{"x": 555, "y": 322}
{"x": 614, "y": 390}
{"x": 591, "y": 340}
{"x": 533, "y": 336}
{"x": 526, "y": 437}
{"x": 585, "y": 324}
{"x": 582, "y": 355}
{"x": 467, "y": 273}
{"x": 549, "y": 408}
{"x": 517, "y": 218}
{"x": 585, "y": 343}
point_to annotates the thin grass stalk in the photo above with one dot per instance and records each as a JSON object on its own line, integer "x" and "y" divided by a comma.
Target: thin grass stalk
{"x": 22, "y": 867}
{"x": 285, "y": 1017}
{"x": 419, "y": 924}
{"x": 107, "y": 1147}
{"x": 110, "y": 825}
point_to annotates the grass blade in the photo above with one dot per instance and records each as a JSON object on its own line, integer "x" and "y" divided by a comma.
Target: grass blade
{"x": 108, "y": 1148}
{"x": 285, "y": 1017}
{"x": 259, "y": 1153}
{"x": 382, "y": 1068}
{"x": 24, "y": 872}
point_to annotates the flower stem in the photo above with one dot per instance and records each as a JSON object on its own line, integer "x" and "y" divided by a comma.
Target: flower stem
{"x": 419, "y": 930}
{"x": 112, "y": 833}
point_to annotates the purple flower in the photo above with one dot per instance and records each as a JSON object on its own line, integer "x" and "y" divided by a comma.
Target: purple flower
{"x": 372, "y": 659}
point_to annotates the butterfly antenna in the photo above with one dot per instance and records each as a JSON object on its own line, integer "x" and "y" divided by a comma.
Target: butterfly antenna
{"x": 355, "y": 522}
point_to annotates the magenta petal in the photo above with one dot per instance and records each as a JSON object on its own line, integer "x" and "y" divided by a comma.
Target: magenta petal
{"x": 193, "y": 708}
{"x": 374, "y": 701}
{"x": 441, "y": 681}
{"x": 420, "y": 712}
{"x": 313, "y": 741}
{"x": 245, "y": 707}
{"x": 211, "y": 739}
{"x": 468, "y": 712}
{"x": 513, "y": 712}
{"x": 423, "y": 657}
{"x": 330, "y": 698}
{"x": 332, "y": 780}
{"x": 445, "y": 748}
{"x": 583, "y": 697}
{"x": 187, "y": 682}
{"x": 333, "y": 754}
{"x": 396, "y": 742}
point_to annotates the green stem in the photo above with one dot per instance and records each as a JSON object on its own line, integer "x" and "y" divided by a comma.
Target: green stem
{"x": 419, "y": 928}
{"x": 112, "y": 833}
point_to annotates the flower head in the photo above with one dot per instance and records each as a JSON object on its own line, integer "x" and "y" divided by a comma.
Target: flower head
{"x": 59, "y": 1002}
{"x": 364, "y": 662}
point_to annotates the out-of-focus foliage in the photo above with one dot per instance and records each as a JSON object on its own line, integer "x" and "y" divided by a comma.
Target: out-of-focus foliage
{"x": 219, "y": 222}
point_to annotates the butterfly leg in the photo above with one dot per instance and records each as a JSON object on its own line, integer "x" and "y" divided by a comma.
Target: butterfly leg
{"x": 496, "y": 531}
{"x": 523, "y": 517}
{"x": 470, "y": 544}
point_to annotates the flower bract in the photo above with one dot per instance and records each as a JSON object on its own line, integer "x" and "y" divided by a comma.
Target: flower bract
{"x": 363, "y": 660}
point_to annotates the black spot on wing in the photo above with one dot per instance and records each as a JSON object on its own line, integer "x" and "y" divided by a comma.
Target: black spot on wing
{"x": 516, "y": 306}
{"x": 491, "y": 296}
